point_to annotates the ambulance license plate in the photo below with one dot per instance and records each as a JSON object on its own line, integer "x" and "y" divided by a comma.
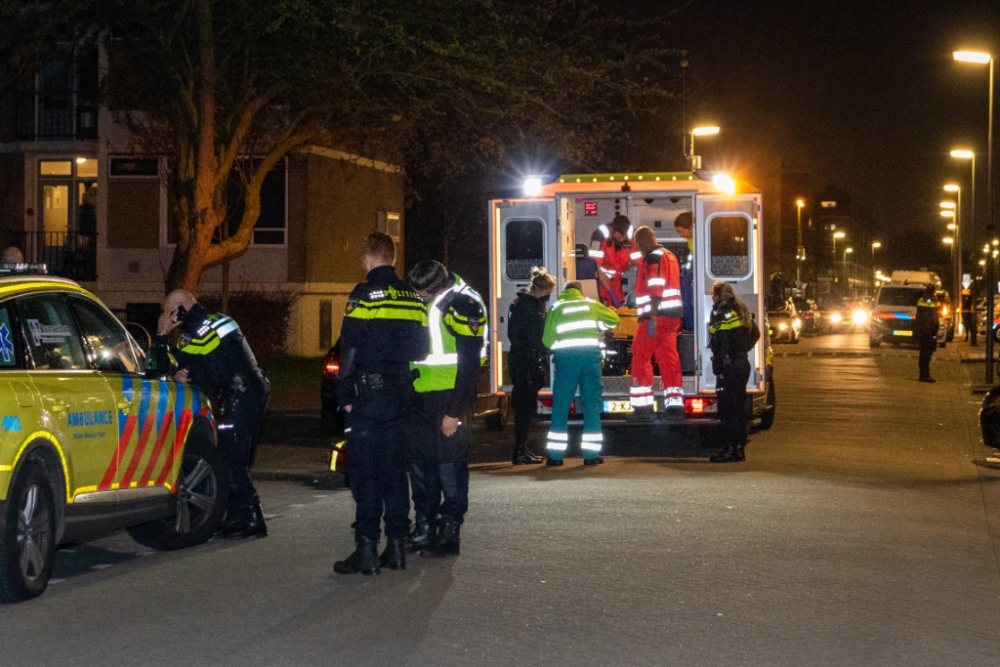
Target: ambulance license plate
{"x": 902, "y": 332}
{"x": 618, "y": 406}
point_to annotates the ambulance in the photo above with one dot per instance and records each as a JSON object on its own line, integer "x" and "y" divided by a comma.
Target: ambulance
{"x": 552, "y": 225}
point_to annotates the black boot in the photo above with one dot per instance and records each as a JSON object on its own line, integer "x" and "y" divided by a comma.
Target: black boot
{"x": 727, "y": 455}
{"x": 421, "y": 535}
{"x": 394, "y": 556}
{"x": 596, "y": 461}
{"x": 553, "y": 463}
{"x": 927, "y": 378}
{"x": 364, "y": 559}
{"x": 739, "y": 452}
{"x": 447, "y": 541}
{"x": 248, "y": 522}
{"x": 522, "y": 457}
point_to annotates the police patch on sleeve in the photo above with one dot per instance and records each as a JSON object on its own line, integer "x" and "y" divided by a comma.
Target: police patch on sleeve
{"x": 474, "y": 327}
{"x": 183, "y": 341}
{"x": 351, "y": 305}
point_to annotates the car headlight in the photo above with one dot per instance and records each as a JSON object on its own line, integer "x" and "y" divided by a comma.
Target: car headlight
{"x": 860, "y": 317}
{"x": 836, "y": 318}
{"x": 783, "y": 326}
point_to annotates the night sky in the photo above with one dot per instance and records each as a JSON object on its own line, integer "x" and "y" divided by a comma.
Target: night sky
{"x": 865, "y": 95}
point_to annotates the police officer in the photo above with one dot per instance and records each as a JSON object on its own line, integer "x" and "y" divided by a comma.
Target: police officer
{"x": 927, "y": 330}
{"x": 446, "y": 394}
{"x": 528, "y": 358}
{"x": 574, "y": 328}
{"x": 213, "y": 355}
{"x": 732, "y": 334}
{"x": 384, "y": 329}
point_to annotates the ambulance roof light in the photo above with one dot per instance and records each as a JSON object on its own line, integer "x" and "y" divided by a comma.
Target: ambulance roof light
{"x": 532, "y": 185}
{"x": 725, "y": 183}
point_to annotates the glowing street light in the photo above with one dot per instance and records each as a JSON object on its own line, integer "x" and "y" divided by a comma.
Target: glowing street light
{"x": 946, "y": 213}
{"x": 947, "y": 204}
{"x": 694, "y": 161}
{"x": 800, "y": 250}
{"x": 981, "y": 58}
{"x": 947, "y": 240}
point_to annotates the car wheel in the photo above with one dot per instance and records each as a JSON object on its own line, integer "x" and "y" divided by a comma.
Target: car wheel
{"x": 942, "y": 344}
{"x": 202, "y": 492}
{"x": 951, "y": 335}
{"x": 27, "y": 536}
{"x": 767, "y": 414}
{"x": 874, "y": 343}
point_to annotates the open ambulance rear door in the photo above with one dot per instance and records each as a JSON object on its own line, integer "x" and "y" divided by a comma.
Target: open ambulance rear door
{"x": 524, "y": 233}
{"x": 728, "y": 246}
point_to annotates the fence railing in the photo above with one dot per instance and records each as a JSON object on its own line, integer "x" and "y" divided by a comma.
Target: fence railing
{"x": 41, "y": 116}
{"x": 68, "y": 254}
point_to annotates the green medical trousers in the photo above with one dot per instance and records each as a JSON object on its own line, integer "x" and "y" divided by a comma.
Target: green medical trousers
{"x": 576, "y": 368}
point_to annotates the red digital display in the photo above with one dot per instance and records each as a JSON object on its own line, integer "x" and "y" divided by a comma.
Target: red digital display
{"x": 590, "y": 208}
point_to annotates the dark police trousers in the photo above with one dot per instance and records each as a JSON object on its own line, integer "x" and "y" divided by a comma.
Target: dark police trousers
{"x": 242, "y": 407}
{"x": 731, "y": 391}
{"x": 927, "y": 346}
{"x": 523, "y": 363}
{"x": 376, "y": 458}
{"x": 439, "y": 466}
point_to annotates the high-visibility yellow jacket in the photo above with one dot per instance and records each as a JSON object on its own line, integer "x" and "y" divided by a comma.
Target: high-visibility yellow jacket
{"x": 575, "y": 321}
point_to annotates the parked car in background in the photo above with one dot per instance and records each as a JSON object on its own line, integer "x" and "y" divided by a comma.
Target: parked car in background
{"x": 946, "y": 328}
{"x": 784, "y": 321}
{"x": 809, "y": 313}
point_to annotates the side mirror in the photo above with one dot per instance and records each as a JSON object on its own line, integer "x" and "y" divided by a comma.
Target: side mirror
{"x": 158, "y": 362}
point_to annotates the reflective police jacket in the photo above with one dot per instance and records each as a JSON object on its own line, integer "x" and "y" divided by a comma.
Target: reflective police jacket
{"x": 730, "y": 340}
{"x": 457, "y": 327}
{"x": 927, "y": 317}
{"x": 213, "y": 349}
{"x": 384, "y": 329}
{"x": 576, "y": 322}
{"x": 658, "y": 285}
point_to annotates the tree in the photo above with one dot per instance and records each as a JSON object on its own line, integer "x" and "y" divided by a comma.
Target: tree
{"x": 224, "y": 86}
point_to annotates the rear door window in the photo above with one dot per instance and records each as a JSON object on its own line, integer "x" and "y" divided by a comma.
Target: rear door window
{"x": 524, "y": 245}
{"x": 729, "y": 240}
{"x": 899, "y": 297}
{"x": 52, "y": 337}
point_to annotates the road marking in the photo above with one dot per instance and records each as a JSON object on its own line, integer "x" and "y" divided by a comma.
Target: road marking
{"x": 100, "y": 566}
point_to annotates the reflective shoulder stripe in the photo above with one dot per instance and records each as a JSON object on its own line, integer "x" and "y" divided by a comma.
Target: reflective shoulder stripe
{"x": 576, "y": 342}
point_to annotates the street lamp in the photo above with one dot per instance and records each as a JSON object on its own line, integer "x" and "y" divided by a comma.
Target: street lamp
{"x": 983, "y": 59}
{"x": 963, "y": 154}
{"x": 836, "y": 235}
{"x": 875, "y": 246}
{"x": 694, "y": 161}
{"x": 847, "y": 275}
{"x": 800, "y": 251}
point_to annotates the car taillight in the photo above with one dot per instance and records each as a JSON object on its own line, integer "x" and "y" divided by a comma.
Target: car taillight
{"x": 699, "y": 406}
{"x": 944, "y": 311}
{"x": 546, "y": 402}
{"x": 331, "y": 370}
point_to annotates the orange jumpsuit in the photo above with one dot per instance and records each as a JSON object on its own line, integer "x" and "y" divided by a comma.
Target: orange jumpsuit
{"x": 612, "y": 259}
{"x": 658, "y": 301}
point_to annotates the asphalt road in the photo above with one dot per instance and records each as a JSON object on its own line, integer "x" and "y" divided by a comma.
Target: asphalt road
{"x": 864, "y": 529}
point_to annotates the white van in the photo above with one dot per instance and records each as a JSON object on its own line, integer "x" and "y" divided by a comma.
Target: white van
{"x": 552, "y": 226}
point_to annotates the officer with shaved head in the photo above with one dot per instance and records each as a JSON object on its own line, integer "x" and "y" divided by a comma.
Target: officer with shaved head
{"x": 214, "y": 356}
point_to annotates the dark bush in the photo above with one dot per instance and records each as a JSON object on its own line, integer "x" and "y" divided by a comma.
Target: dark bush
{"x": 264, "y": 317}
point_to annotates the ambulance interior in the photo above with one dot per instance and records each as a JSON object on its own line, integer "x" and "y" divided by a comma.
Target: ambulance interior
{"x": 657, "y": 213}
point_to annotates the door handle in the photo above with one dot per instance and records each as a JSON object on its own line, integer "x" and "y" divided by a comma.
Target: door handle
{"x": 60, "y": 407}
{"x": 125, "y": 405}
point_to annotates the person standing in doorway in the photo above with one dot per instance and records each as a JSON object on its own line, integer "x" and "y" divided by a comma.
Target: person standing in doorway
{"x": 528, "y": 358}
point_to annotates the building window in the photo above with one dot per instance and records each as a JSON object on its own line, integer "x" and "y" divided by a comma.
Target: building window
{"x": 270, "y": 228}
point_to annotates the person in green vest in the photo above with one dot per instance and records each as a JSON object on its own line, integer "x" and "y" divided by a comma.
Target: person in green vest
{"x": 446, "y": 396}
{"x": 574, "y": 328}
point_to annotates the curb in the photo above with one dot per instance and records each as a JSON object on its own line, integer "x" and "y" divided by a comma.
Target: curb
{"x": 321, "y": 479}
